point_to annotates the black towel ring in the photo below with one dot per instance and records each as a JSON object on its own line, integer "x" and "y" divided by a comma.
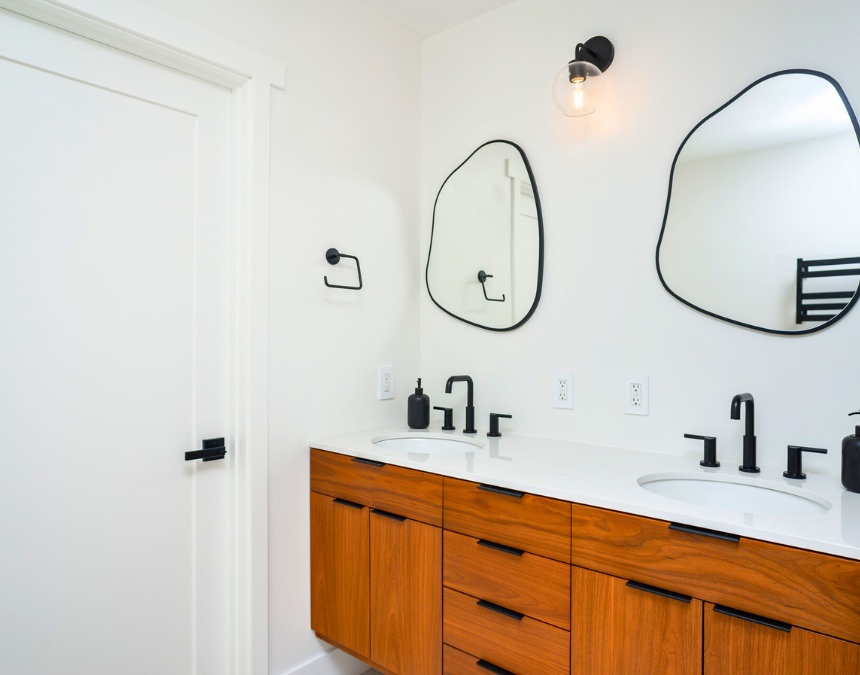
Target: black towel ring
{"x": 333, "y": 257}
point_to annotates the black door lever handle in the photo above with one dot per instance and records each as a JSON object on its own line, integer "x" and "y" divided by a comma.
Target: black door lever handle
{"x": 213, "y": 448}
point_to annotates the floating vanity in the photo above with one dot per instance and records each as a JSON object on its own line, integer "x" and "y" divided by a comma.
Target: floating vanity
{"x": 444, "y": 553}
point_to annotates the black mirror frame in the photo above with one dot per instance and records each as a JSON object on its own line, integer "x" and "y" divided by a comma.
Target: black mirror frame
{"x": 540, "y": 241}
{"x": 851, "y": 115}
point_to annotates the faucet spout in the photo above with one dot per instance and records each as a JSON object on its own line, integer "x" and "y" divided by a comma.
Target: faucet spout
{"x": 470, "y": 400}
{"x": 749, "y": 463}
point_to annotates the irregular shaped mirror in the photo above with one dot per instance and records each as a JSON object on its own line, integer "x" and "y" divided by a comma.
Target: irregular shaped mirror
{"x": 762, "y": 222}
{"x": 485, "y": 263}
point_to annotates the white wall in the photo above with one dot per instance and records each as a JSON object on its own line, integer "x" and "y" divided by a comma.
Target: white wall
{"x": 345, "y": 174}
{"x": 602, "y": 182}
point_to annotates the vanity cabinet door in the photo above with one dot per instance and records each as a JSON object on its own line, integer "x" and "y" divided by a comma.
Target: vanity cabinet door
{"x": 405, "y": 594}
{"x": 340, "y": 594}
{"x": 618, "y": 628}
{"x": 736, "y": 645}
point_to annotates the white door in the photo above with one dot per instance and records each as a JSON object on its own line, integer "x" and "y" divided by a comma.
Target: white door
{"x": 114, "y": 343}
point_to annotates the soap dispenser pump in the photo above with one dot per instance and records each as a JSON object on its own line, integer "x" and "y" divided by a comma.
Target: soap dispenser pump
{"x": 418, "y": 409}
{"x": 851, "y": 460}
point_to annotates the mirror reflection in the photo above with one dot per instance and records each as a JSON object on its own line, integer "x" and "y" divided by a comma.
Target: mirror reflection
{"x": 485, "y": 261}
{"x": 762, "y": 224}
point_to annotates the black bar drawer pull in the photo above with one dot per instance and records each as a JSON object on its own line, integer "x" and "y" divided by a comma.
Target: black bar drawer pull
{"x": 714, "y": 534}
{"x": 344, "y": 502}
{"x": 371, "y": 462}
{"x": 753, "y": 618}
{"x": 493, "y": 668}
{"x": 500, "y": 547}
{"x": 387, "y": 514}
{"x": 213, "y": 448}
{"x": 500, "y": 610}
{"x": 659, "y": 591}
{"x": 502, "y": 491}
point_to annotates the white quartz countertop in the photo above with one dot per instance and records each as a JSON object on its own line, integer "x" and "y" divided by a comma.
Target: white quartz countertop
{"x": 607, "y": 477}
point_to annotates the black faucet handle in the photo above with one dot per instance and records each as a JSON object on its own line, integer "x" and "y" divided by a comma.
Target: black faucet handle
{"x": 448, "y": 420}
{"x": 795, "y": 458}
{"x": 710, "y": 459}
{"x": 494, "y": 424}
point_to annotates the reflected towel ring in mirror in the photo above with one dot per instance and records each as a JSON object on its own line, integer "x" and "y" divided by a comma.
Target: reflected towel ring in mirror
{"x": 487, "y": 215}
{"x": 482, "y": 277}
{"x": 333, "y": 257}
{"x": 761, "y": 190}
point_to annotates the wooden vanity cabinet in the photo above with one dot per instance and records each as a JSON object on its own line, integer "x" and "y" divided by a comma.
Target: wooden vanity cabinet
{"x": 507, "y": 581}
{"x": 738, "y": 645}
{"x": 520, "y": 583}
{"x": 376, "y": 563}
{"x": 813, "y": 599}
{"x": 619, "y": 626}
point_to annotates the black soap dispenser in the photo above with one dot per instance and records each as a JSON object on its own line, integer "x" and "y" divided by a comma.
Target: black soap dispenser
{"x": 851, "y": 460}
{"x": 418, "y": 411}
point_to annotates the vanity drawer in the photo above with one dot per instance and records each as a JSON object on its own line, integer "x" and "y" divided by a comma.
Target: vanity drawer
{"x": 405, "y": 492}
{"x": 781, "y": 582}
{"x": 536, "y": 586}
{"x": 536, "y": 524}
{"x": 521, "y": 645}
{"x": 455, "y": 662}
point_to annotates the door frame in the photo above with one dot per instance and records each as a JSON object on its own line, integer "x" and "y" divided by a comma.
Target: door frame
{"x": 157, "y": 36}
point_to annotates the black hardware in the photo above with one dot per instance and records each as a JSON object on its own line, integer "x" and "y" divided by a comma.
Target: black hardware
{"x": 470, "y": 400}
{"x": 710, "y": 459}
{"x": 659, "y": 591}
{"x": 344, "y": 502}
{"x": 502, "y": 491}
{"x": 598, "y": 51}
{"x": 500, "y": 547}
{"x": 482, "y": 277}
{"x": 493, "y": 668}
{"x": 388, "y": 514}
{"x": 371, "y": 462}
{"x": 749, "y": 465}
{"x": 494, "y": 424}
{"x": 500, "y": 610}
{"x": 803, "y": 308}
{"x": 754, "y": 618}
{"x": 448, "y": 423}
{"x": 213, "y": 448}
{"x": 705, "y": 532}
{"x": 795, "y": 467}
{"x": 333, "y": 257}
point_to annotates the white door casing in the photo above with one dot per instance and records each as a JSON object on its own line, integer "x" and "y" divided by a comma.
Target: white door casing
{"x": 146, "y": 32}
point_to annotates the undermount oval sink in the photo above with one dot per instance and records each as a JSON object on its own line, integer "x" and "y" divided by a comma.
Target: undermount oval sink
{"x": 735, "y": 493}
{"x": 431, "y": 444}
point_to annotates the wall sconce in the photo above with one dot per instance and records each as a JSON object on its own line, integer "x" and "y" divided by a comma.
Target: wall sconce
{"x": 576, "y": 90}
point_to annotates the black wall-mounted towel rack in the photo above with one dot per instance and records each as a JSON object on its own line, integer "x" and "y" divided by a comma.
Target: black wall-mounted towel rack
{"x": 333, "y": 257}
{"x": 817, "y": 302}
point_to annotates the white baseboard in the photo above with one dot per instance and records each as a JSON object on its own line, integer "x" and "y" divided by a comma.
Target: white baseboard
{"x": 331, "y": 662}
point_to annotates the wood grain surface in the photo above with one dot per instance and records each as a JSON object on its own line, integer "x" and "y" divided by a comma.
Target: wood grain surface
{"x": 536, "y": 524}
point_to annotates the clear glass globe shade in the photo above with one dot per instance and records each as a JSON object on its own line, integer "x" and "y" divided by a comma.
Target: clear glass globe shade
{"x": 580, "y": 96}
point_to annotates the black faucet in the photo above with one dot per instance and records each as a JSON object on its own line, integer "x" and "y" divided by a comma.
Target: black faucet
{"x": 470, "y": 400}
{"x": 749, "y": 434}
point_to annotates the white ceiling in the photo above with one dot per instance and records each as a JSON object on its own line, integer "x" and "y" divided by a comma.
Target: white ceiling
{"x": 426, "y": 17}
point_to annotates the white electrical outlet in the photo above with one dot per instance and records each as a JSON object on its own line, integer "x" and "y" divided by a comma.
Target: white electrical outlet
{"x": 562, "y": 389}
{"x": 385, "y": 382}
{"x": 636, "y": 394}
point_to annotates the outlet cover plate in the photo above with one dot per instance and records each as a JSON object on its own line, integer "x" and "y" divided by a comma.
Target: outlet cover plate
{"x": 385, "y": 383}
{"x": 562, "y": 389}
{"x": 636, "y": 398}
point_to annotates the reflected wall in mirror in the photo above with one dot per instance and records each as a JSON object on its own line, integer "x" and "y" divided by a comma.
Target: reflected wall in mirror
{"x": 762, "y": 222}
{"x": 485, "y": 263}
